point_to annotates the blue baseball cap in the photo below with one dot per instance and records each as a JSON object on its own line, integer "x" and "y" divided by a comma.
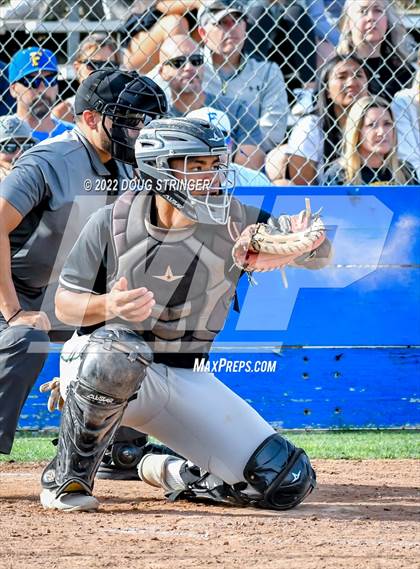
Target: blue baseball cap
{"x": 31, "y": 60}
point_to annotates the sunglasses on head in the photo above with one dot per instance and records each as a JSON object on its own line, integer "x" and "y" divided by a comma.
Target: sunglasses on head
{"x": 13, "y": 146}
{"x": 96, "y": 64}
{"x": 34, "y": 81}
{"x": 178, "y": 62}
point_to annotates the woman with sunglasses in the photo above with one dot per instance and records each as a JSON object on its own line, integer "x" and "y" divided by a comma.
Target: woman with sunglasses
{"x": 33, "y": 77}
{"x": 15, "y": 138}
{"x": 95, "y": 52}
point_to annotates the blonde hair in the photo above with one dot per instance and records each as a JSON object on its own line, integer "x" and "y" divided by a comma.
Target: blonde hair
{"x": 351, "y": 159}
{"x": 397, "y": 43}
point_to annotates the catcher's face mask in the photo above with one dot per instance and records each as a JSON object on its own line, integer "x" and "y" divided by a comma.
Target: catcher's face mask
{"x": 205, "y": 180}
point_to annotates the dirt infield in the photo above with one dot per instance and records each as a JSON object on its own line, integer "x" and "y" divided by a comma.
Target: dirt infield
{"x": 362, "y": 516}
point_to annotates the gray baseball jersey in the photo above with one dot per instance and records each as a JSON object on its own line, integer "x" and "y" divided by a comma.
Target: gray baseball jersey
{"x": 189, "y": 271}
{"x": 55, "y": 186}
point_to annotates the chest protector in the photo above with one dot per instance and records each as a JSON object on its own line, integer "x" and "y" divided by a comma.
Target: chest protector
{"x": 189, "y": 271}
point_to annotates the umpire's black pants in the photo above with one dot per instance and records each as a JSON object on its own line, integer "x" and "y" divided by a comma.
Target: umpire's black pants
{"x": 19, "y": 369}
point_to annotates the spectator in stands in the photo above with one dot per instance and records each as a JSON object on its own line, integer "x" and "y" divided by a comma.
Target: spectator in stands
{"x": 244, "y": 177}
{"x": 369, "y": 154}
{"x": 371, "y": 30}
{"x": 282, "y": 31}
{"x": 406, "y": 108}
{"x": 182, "y": 68}
{"x": 15, "y": 138}
{"x": 95, "y": 52}
{"x": 260, "y": 85}
{"x": 151, "y": 24}
{"x": 316, "y": 138}
{"x": 33, "y": 77}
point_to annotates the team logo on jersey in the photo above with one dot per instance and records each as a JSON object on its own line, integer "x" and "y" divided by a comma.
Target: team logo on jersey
{"x": 169, "y": 277}
{"x": 35, "y": 58}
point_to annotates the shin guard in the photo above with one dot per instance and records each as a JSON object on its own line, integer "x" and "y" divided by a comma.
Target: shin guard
{"x": 112, "y": 368}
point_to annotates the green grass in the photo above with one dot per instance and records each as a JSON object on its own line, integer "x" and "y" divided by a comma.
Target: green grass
{"x": 359, "y": 444}
{"x": 332, "y": 444}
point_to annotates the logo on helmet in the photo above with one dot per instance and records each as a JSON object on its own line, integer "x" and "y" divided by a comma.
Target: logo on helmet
{"x": 296, "y": 476}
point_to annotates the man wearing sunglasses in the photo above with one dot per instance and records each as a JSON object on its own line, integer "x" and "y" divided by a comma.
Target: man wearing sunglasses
{"x": 33, "y": 77}
{"x": 15, "y": 138}
{"x": 97, "y": 51}
{"x": 182, "y": 68}
{"x": 259, "y": 84}
{"x": 44, "y": 202}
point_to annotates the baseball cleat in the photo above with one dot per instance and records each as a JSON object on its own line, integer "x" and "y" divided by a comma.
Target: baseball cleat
{"x": 70, "y": 502}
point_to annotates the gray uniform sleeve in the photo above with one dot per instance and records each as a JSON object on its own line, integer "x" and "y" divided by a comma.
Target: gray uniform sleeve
{"x": 24, "y": 188}
{"x": 85, "y": 269}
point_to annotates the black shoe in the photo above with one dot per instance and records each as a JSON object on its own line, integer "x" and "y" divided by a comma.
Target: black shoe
{"x": 112, "y": 472}
{"x": 127, "y": 459}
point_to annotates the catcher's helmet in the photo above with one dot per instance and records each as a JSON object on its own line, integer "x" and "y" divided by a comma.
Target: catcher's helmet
{"x": 163, "y": 140}
{"x": 128, "y": 99}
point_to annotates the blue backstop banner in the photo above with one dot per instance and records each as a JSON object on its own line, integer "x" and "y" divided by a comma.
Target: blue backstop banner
{"x": 338, "y": 347}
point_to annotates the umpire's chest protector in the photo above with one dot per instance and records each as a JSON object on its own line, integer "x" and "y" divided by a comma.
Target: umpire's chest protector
{"x": 189, "y": 271}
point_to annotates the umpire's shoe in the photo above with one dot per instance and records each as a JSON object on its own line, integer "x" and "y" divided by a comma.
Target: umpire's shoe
{"x": 123, "y": 456}
{"x": 70, "y": 502}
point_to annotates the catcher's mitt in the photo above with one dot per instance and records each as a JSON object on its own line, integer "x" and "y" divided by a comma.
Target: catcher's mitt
{"x": 273, "y": 245}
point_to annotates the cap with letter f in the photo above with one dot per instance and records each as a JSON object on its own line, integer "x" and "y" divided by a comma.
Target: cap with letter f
{"x": 30, "y": 60}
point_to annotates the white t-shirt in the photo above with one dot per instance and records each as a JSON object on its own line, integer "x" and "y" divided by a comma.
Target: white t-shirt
{"x": 307, "y": 140}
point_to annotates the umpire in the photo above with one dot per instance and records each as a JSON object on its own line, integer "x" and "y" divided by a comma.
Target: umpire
{"x": 42, "y": 210}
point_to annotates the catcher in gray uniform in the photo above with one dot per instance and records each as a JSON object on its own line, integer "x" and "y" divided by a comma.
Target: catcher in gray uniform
{"x": 149, "y": 283}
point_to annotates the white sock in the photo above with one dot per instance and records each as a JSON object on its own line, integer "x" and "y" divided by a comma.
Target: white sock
{"x": 172, "y": 476}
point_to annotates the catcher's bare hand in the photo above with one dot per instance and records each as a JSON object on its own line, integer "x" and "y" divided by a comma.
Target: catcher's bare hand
{"x": 55, "y": 401}
{"x": 133, "y": 305}
{"x": 35, "y": 319}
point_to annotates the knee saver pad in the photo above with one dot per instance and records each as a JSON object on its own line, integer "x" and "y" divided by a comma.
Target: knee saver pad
{"x": 281, "y": 472}
{"x": 114, "y": 362}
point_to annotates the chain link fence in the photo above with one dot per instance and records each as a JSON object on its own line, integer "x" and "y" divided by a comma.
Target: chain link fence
{"x": 308, "y": 91}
